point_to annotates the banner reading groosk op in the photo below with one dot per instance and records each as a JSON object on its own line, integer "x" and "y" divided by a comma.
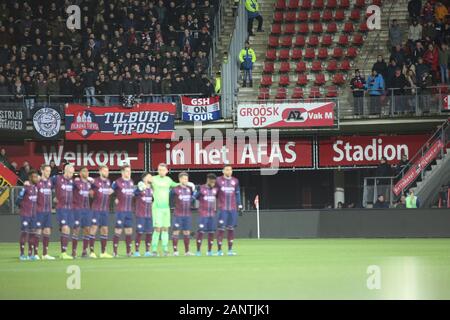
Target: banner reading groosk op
{"x": 200, "y": 109}
{"x": 144, "y": 121}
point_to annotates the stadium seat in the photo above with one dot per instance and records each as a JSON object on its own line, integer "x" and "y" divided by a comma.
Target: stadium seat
{"x": 318, "y": 4}
{"x": 332, "y": 66}
{"x": 286, "y": 41}
{"x": 338, "y": 79}
{"x": 332, "y": 27}
{"x": 302, "y": 16}
{"x": 278, "y": 17}
{"x": 360, "y": 4}
{"x": 345, "y": 65}
{"x": 310, "y": 54}
{"x": 273, "y": 41}
{"x": 343, "y": 40}
{"x": 283, "y": 54}
{"x": 337, "y": 53}
{"x": 317, "y": 27}
{"x": 306, "y": 5}
{"x": 300, "y": 67}
{"x": 339, "y": 15}
{"x": 289, "y": 28}
{"x": 264, "y": 94}
{"x": 293, "y": 4}
{"x": 314, "y": 93}
{"x": 314, "y": 16}
{"x": 284, "y": 80}
{"x": 351, "y": 53}
{"x": 348, "y": 27}
{"x": 303, "y": 28}
{"x": 302, "y": 79}
{"x": 297, "y": 93}
{"x": 331, "y": 92}
{"x": 316, "y": 66}
{"x": 296, "y": 54}
{"x": 377, "y": 2}
{"x": 290, "y": 16}
{"x": 357, "y": 40}
{"x": 327, "y": 15}
{"x": 281, "y": 94}
{"x": 299, "y": 41}
{"x": 355, "y": 15}
{"x": 322, "y": 53}
{"x": 331, "y": 4}
{"x": 313, "y": 41}
{"x": 266, "y": 80}
{"x": 285, "y": 67}
{"x": 344, "y": 4}
{"x": 280, "y": 5}
{"x": 271, "y": 54}
{"x": 268, "y": 67}
{"x": 363, "y": 27}
{"x": 320, "y": 79}
{"x": 327, "y": 40}
{"x": 276, "y": 29}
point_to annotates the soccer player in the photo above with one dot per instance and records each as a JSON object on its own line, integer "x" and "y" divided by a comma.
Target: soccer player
{"x": 27, "y": 200}
{"x": 144, "y": 223}
{"x": 161, "y": 185}
{"x": 64, "y": 206}
{"x": 229, "y": 202}
{"x": 207, "y": 196}
{"x": 182, "y": 196}
{"x": 82, "y": 211}
{"x": 101, "y": 192}
{"x": 124, "y": 189}
{"x": 44, "y": 209}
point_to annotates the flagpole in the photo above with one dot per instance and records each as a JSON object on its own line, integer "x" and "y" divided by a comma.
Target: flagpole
{"x": 257, "y": 217}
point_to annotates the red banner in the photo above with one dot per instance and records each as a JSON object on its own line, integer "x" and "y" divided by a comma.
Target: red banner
{"x": 420, "y": 165}
{"x": 296, "y": 152}
{"x": 89, "y": 153}
{"x": 351, "y": 151}
{"x": 7, "y": 179}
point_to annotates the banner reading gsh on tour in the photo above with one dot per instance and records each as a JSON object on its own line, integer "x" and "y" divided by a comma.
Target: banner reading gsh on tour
{"x": 286, "y": 115}
{"x": 144, "y": 121}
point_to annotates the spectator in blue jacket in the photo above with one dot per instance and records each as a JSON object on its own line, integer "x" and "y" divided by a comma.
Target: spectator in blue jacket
{"x": 375, "y": 86}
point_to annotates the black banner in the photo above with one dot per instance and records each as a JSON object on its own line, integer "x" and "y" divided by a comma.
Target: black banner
{"x": 47, "y": 123}
{"x": 13, "y": 118}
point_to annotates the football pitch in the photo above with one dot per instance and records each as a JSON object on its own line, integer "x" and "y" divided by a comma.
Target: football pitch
{"x": 263, "y": 269}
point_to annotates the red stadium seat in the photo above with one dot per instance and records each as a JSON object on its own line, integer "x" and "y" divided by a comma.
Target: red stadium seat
{"x": 316, "y": 66}
{"x": 351, "y": 53}
{"x": 332, "y": 27}
{"x": 293, "y": 4}
{"x": 300, "y": 67}
{"x": 281, "y": 94}
{"x": 271, "y": 54}
{"x": 286, "y": 41}
{"x": 377, "y": 2}
{"x": 302, "y": 79}
{"x": 331, "y": 92}
{"x": 285, "y": 67}
{"x": 280, "y": 4}
{"x": 297, "y": 93}
{"x": 299, "y": 41}
{"x": 302, "y": 16}
{"x": 296, "y": 54}
{"x": 266, "y": 80}
{"x": 314, "y": 16}
{"x": 284, "y": 80}
{"x": 310, "y": 54}
{"x": 355, "y": 15}
{"x": 357, "y": 40}
{"x": 317, "y": 27}
{"x": 268, "y": 67}
{"x": 306, "y": 5}
{"x": 276, "y": 29}
{"x": 337, "y": 53}
{"x": 319, "y": 4}
{"x": 360, "y": 3}
{"x": 264, "y": 94}
{"x": 283, "y": 54}
{"x": 345, "y": 65}
{"x": 338, "y": 79}
{"x": 363, "y": 27}
{"x": 278, "y": 17}
{"x": 273, "y": 41}
{"x": 314, "y": 93}
{"x": 289, "y": 28}
{"x": 290, "y": 16}
{"x": 332, "y": 66}
{"x": 303, "y": 28}
{"x": 327, "y": 15}
{"x": 331, "y": 4}
{"x": 323, "y": 53}
{"x": 313, "y": 41}
{"x": 339, "y": 15}
{"x": 348, "y": 27}
{"x": 344, "y": 4}
{"x": 327, "y": 40}
{"x": 343, "y": 40}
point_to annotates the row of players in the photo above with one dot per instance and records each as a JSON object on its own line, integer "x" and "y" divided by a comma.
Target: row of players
{"x": 83, "y": 203}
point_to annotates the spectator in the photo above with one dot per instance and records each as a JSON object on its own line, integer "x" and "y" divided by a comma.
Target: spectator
{"x": 54, "y": 169}
{"x": 381, "y": 203}
{"x": 146, "y": 88}
{"x": 18, "y": 90}
{"x": 252, "y": 8}
{"x": 412, "y": 202}
{"x": 401, "y": 204}
{"x": 382, "y": 172}
{"x": 428, "y": 12}
{"x": 443, "y": 62}
{"x": 4, "y": 159}
{"x": 431, "y": 57}
{"x": 418, "y": 52}
{"x": 375, "y": 86}
{"x": 414, "y": 34}
{"x": 440, "y": 12}
{"x": 247, "y": 57}
{"x": 403, "y": 165}
{"x": 399, "y": 83}
{"x": 23, "y": 171}
{"x": 339, "y": 205}
{"x": 357, "y": 84}
{"x": 412, "y": 91}
{"x": 399, "y": 56}
{"x": 414, "y": 8}
{"x": 217, "y": 83}
{"x": 395, "y": 34}
{"x": 380, "y": 66}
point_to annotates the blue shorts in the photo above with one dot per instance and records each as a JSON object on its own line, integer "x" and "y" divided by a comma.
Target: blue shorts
{"x": 100, "y": 218}
{"x": 144, "y": 225}
{"x": 27, "y": 223}
{"x": 124, "y": 219}
{"x": 84, "y": 217}
{"x": 44, "y": 220}
{"x": 206, "y": 224}
{"x": 182, "y": 223}
{"x": 227, "y": 218}
{"x": 76, "y": 218}
{"x": 66, "y": 217}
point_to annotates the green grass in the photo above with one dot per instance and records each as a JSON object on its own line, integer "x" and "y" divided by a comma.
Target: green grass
{"x": 264, "y": 269}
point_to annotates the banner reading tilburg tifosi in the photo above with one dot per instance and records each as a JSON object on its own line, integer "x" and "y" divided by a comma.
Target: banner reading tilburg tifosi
{"x": 144, "y": 121}
{"x": 286, "y": 115}
{"x": 7, "y": 179}
{"x": 420, "y": 165}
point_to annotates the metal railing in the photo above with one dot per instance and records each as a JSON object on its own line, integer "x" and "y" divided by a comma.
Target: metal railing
{"x": 376, "y": 186}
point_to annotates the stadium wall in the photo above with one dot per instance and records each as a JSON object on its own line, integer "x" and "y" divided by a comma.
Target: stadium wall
{"x": 351, "y": 223}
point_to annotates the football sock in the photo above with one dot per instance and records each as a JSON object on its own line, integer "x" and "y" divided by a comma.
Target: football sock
{"x": 220, "y": 234}
{"x": 148, "y": 241}
{"x": 199, "y": 240}
{"x": 186, "y": 240}
{"x": 175, "y": 242}
{"x": 155, "y": 240}
{"x": 230, "y": 238}
{"x": 137, "y": 241}
{"x": 45, "y": 241}
{"x": 23, "y": 239}
{"x": 165, "y": 240}
{"x": 210, "y": 240}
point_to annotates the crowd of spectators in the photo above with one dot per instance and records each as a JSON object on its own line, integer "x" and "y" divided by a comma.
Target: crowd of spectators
{"x": 124, "y": 47}
{"x": 414, "y": 66}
